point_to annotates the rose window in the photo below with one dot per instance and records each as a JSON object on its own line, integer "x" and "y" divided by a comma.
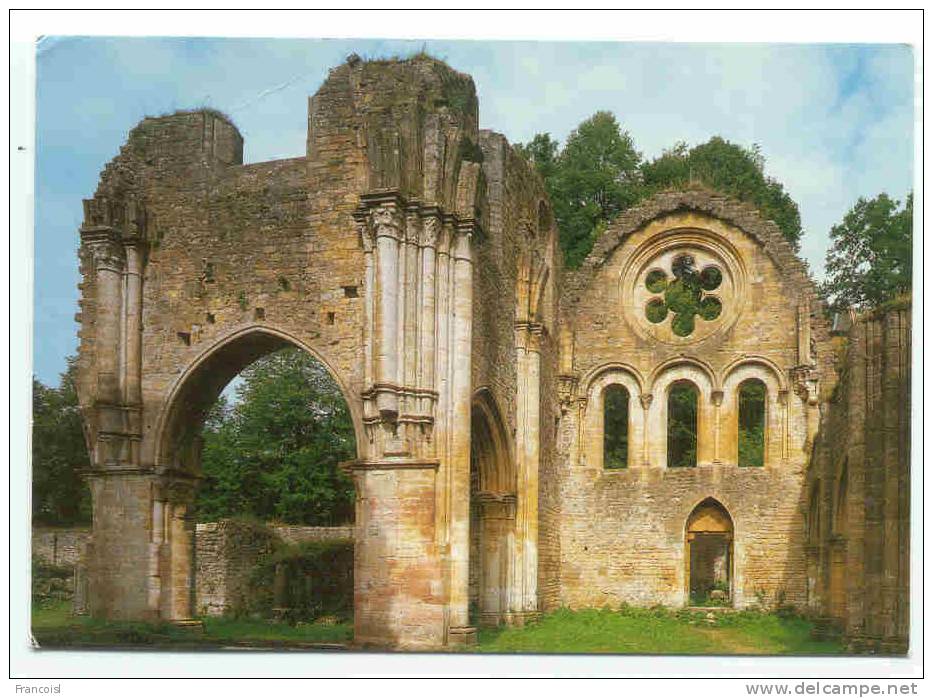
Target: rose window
{"x": 684, "y": 294}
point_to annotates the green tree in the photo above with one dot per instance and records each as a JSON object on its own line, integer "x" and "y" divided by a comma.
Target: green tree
{"x": 542, "y": 152}
{"x": 591, "y": 180}
{"x": 274, "y": 453}
{"x": 599, "y": 173}
{"x": 682, "y": 426}
{"x": 730, "y": 169}
{"x": 869, "y": 260}
{"x": 59, "y": 453}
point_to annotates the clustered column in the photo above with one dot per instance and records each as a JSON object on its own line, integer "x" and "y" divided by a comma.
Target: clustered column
{"x": 418, "y": 342}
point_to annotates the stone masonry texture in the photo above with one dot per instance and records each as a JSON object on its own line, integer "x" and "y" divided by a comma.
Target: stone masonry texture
{"x": 416, "y": 256}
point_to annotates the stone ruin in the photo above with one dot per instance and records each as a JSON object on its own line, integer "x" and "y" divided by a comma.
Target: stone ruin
{"x": 416, "y": 256}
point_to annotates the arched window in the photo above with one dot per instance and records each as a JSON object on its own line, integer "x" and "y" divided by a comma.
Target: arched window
{"x": 682, "y": 425}
{"x": 615, "y": 427}
{"x": 751, "y": 430}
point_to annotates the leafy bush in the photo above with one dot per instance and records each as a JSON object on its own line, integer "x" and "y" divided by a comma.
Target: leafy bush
{"x": 51, "y": 584}
{"x": 301, "y": 582}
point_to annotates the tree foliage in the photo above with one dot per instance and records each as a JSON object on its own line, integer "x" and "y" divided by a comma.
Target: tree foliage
{"x": 729, "y": 169}
{"x": 682, "y": 426}
{"x": 869, "y": 260}
{"x": 599, "y": 173}
{"x": 590, "y": 181}
{"x": 274, "y": 453}
{"x": 752, "y": 394}
{"x": 59, "y": 453}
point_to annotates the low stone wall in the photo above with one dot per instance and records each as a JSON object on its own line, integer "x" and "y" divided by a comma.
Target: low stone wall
{"x": 224, "y": 556}
{"x": 60, "y": 546}
{"x": 226, "y": 552}
{"x": 301, "y": 534}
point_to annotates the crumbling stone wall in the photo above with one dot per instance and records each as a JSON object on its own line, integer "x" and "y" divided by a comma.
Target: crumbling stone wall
{"x": 858, "y": 517}
{"x": 226, "y": 553}
{"x": 60, "y": 546}
{"x": 363, "y": 253}
{"x": 416, "y": 256}
{"x": 622, "y": 531}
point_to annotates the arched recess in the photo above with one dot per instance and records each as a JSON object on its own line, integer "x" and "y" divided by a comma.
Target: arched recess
{"x": 493, "y": 484}
{"x": 776, "y": 409}
{"x": 198, "y": 387}
{"x": 178, "y": 455}
{"x": 708, "y": 554}
{"x": 838, "y": 597}
{"x": 814, "y": 515}
{"x": 680, "y": 372}
{"x": 813, "y": 548}
{"x": 597, "y": 384}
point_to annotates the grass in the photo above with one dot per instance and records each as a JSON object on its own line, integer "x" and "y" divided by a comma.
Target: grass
{"x": 659, "y": 631}
{"x": 54, "y": 626}
{"x": 625, "y": 631}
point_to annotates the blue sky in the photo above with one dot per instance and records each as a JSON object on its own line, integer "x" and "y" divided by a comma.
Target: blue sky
{"x": 834, "y": 121}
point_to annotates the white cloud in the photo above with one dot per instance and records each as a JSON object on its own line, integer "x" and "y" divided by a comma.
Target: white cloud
{"x": 834, "y": 122}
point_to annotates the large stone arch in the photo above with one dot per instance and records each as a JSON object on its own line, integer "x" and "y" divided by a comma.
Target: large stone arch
{"x": 177, "y": 452}
{"x": 362, "y": 253}
{"x": 200, "y": 383}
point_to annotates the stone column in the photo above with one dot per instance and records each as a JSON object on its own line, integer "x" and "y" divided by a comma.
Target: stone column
{"x": 177, "y": 568}
{"x": 385, "y": 222}
{"x": 399, "y": 598}
{"x": 785, "y": 423}
{"x": 428, "y": 324}
{"x": 497, "y": 522}
{"x": 109, "y": 261}
{"x": 459, "y": 458}
{"x": 717, "y": 426}
{"x": 156, "y": 553}
{"x": 528, "y": 441}
{"x": 645, "y": 400}
{"x": 132, "y": 345}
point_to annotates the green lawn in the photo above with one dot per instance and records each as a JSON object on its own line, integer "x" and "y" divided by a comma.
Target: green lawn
{"x": 626, "y": 631}
{"x": 659, "y": 631}
{"x": 54, "y": 626}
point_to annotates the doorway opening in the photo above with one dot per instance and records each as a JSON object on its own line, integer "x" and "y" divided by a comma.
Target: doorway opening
{"x": 709, "y": 558}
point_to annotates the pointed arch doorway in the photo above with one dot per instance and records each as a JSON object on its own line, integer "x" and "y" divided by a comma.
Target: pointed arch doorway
{"x": 709, "y": 557}
{"x": 492, "y": 517}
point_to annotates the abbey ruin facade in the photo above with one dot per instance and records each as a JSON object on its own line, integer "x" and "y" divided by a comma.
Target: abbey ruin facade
{"x": 515, "y": 450}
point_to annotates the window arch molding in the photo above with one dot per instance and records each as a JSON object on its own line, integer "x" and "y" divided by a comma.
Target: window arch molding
{"x": 596, "y": 384}
{"x": 666, "y": 375}
{"x": 680, "y": 362}
{"x": 776, "y": 433}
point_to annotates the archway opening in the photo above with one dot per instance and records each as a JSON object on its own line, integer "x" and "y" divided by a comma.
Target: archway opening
{"x": 709, "y": 535}
{"x": 615, "y": 427}
{"x": 682, "y": 400}
{"x": 268, "y": 512}
{"x": 751, "y": 415}
{"x": 492, "y": 517}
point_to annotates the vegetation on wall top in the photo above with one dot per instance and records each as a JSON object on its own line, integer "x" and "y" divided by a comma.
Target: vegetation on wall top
{"x": 598, "y": 174}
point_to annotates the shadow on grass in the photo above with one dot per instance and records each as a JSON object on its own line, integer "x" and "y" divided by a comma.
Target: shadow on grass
{"x": 55, "y": 627}
{"x": 657, "y": 631}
